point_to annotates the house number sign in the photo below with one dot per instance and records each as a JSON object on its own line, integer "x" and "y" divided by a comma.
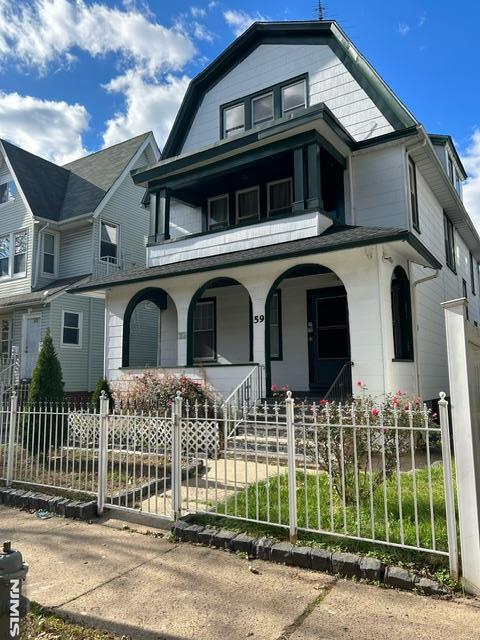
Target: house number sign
{"x": 258, "y": 319}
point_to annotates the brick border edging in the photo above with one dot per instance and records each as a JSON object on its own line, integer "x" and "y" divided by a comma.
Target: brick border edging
{"x": 348, "y": 565}
{"x": 54, "y": 504}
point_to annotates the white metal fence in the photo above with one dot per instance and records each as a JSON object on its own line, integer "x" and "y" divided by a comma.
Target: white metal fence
{"x": 373, "y": 473}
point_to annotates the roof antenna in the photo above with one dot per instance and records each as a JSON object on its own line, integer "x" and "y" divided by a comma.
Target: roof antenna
{"x": 320, "y": 10}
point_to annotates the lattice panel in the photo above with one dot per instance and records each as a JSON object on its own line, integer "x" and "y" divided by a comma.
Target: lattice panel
{"x": 83, "y": 429}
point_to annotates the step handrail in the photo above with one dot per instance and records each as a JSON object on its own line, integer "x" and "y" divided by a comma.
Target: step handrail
{"x": 258, "y": 370}
{"x": 343, "y": 382}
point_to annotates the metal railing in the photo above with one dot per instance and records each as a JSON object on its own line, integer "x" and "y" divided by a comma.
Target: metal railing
{"x": 376, "y": 473}
{"x": 250, "y": 390}
{"x": 111, "y": 265}
{"x": 341, "y": 387}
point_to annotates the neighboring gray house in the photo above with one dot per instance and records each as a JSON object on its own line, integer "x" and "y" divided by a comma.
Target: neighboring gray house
{"x": 57, "y": 226}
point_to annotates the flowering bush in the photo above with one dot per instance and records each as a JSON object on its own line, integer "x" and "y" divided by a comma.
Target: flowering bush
{"x": 157, "y": 390}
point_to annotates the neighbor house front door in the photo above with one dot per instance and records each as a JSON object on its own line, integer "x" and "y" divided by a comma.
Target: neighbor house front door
{"x": 32, "y": 333}
{"x": 328, "y": 336}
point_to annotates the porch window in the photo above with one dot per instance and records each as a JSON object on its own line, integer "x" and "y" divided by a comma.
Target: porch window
{"x": 71, "y": 329}
{"x": 218, "y": 212}
{"x": 8, "y": 191}
{"x": 262, "y": 109}
{"x": 4, "y": 256}
{"x": 412, "y": 181}
{"x": 293, "y": 97}
{"x": 472, "y": 274}
{"x": 233, "y": 120}
{"x": 449, "y": 243}
{"x": 5, "y": 337}
{"x": 48, "y": 253}
{"x": 276, "y": 326}
{"x": 205, "y": 330}
{"x": 248, "y": 204}
{"x": 109, "y": 242}
{"x": 279, "y": 196}
{"x": 401, "y": 316}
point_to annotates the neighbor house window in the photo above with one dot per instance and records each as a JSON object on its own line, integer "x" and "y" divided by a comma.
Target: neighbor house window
{"x": 20, "y": 253}
{"x": 233, "y": 120}
{"x": 401, "y": 316}
{"x": 218, "y": 212}
{"x": 49, "y": 253}
{"x": 5, "y": 337}
{"x": 449, "y": 243}
{"x": 4, "y": 256}
{"x": 204, "y": 330}
{"x": 276, "y": 326}
{"x": 472, "y": 274}
{"x": 450, "y": 170}
{"x": 248, "y": 204}
{"x": 71, "y": 329}
{"x": 293, "y": 97}
{"x": 262, "y": 109}
{"x": 279, "y": 196}
{"x": 109, "y": 242}
{"x": 8, "y": 191}
{"x": 465, "y": 294}
{"x": 412, "y": 182}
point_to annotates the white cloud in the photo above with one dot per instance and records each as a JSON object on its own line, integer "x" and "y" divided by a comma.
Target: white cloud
{"x": 47, "y": 128}
{"x": 198, "y": 12}
{"x": 403, "y": 28}
{"x": 47, "y": 31}
{"x": 150, "y": 105}
{"x": 422, "y": 20}
{"x": 471, "y": 189}
{"x": 240, "y": 20}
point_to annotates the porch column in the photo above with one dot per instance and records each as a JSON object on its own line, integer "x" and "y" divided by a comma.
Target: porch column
{"x": 182, "y": 335}
{"x": 314, "y": 198}
{"x": 162, "y": 215}
{"x": 298, "y": 180}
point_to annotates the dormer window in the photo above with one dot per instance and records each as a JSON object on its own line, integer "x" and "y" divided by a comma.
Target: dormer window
{"x": 233, "y": 120}
{"x": 13, "y": 254}
{"x": 49, "y": 251}
{"x": 293, "y": 97}
{"x": 262, "y": 109}
{"x": 109, "y": 242}
{"x": 8, "y": 191}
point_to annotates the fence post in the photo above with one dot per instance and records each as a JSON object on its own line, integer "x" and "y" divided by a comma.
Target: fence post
{"x": 102, "y": 452}
{"x": 177, "y": 456}
{"x": 449, "y": 487}
{"x": 292, "y": 478}
{"x": 12, "y": 434}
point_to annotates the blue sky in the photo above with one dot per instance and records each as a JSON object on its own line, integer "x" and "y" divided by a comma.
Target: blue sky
{"x": 79, "y": 75}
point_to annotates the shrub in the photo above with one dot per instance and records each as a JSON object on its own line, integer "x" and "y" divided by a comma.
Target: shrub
{"x": 47, "y": 378}
{"x": 102, "y": 385}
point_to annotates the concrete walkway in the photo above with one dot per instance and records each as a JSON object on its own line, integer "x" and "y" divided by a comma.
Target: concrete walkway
{"x": 143, "y": 586}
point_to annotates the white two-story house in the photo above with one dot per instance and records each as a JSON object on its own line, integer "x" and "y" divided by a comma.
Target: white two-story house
{"x": 304, "y": 226}
{"x": 59, "y": 225}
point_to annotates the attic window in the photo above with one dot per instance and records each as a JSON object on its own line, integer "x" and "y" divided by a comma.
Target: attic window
{"x": 234, "y": 120}
{"x": 109, "y": 243}
{"x": 293, "y": 97}
{"x": 8, "y": 191}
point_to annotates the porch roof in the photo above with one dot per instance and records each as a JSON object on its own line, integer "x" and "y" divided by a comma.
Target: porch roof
{"x": 39, "y": 296}
{"x": 335, "y": 238}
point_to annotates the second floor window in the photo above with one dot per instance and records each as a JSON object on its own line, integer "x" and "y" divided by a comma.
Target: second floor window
{"x": 218, "y": 212}
{"x": 412, "y": 183}
{"x": 472, "y": 274}
{"x": 279, "y": 196}
{"x": 49, "y": 253}
{"x": 8, "y": 191}
{"x": 109, "y": 243}
{"x": 4, "y": 256}
{"x": 13, "y": 254}
{"x": 449, "y": 243}
{"x": 248, "y": 204}
{"x": 233, "y": 120}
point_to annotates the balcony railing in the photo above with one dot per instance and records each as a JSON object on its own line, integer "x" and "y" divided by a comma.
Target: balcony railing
{"x": 108, "y": 266}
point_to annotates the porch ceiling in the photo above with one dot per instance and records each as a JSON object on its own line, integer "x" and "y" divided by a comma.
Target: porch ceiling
{"x": 336, "y": 238}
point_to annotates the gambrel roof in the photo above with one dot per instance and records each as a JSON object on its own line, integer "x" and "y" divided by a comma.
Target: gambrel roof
{"x": 61, "y": 193}
{"x": 305, "y": 32}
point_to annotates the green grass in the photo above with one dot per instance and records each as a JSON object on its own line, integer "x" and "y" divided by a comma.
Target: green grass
{"x": 41, "y": 623}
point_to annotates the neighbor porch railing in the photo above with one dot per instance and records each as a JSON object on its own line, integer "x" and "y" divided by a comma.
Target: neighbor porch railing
{"x": 341, "y": 387}
{"x": 249, "y": 391}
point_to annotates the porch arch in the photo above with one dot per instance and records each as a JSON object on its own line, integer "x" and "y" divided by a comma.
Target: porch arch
{"x": 214, "y": 283}
{"x": 299, "y": 270}
{"x": 151, "y": 294}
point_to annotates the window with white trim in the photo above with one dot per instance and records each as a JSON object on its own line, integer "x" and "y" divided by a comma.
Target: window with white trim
{"x": 294, "y": 97}
{"x": 204, "y": 330}
{"x": 279, "y": 196}
{"x": 109, "y": 242}
{"x": 8, "y": 191}
{"x": 233, "y": 120}
{"x": 5, "y": 256}
{"x": 5, "y": 337}
{"x": 13, "y": 254}
{"x": 262, "y": 109}
{"x": 218, "y": 212}
{"x": 71, "y": 329}
{"x": 248, "y": 204}
{"x": 48, "y": 260}
{"x": 20, "y": 253}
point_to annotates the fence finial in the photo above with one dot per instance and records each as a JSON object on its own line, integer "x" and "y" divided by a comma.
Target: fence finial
{"x": 442, "y": 395}
{"x": 289, "y": 395}
{"x": 102, "y": 395}
{"x": 178, "y": 394}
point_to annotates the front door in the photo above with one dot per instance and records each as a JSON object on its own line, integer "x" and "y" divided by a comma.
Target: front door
{"x": 328, "y": 336}
{"x": 32, "y": 333}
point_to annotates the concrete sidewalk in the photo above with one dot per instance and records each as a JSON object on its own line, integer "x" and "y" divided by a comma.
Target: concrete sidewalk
{"x": 146, "y": 587}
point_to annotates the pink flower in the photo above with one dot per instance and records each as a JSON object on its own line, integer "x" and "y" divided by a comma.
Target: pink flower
{"x": 375, "y": 411}
{"x": 396, "y": 402}
{"x": 434, "y": 415}
{"x": 274, "y": 387}
{"x": 285, "y": 388}
{"x": 323, "y": 402}
{"x": 360, "y": 384}
{"x": 407, "y": 406}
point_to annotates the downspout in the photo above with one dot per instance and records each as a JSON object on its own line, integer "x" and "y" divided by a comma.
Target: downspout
{"x": 414, "y": 313}
{"x": 37, "y": 256}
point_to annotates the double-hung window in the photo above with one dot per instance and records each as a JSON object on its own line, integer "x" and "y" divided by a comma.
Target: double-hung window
{"x": 204, "y": 330}
{"x": 5, "y": 338}
{"x": 248, "y": 204}
{"x": 233, "y": 120}
{"x": 109, "y": 242}
{"x": 276, "y": 326}
{"x": 218, "y": 212}
{"x": 262, "y": 109}
{"x": 449, "y": 243}
{"x": 279, "y": 196}
{"x": 5, "y": 256}
{"x": 412, "y": 183}
{"x": 20, "y": 253}
{"x": 8, "y": 191}
{"x": 294, "y": 96}
{"x": 71, "y": 329}
{"x": 48, "y": 259}
{"x": 13, "y": 254}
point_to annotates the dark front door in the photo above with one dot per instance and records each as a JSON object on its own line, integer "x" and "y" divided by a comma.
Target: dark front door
{"x": 328, "y": 336}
